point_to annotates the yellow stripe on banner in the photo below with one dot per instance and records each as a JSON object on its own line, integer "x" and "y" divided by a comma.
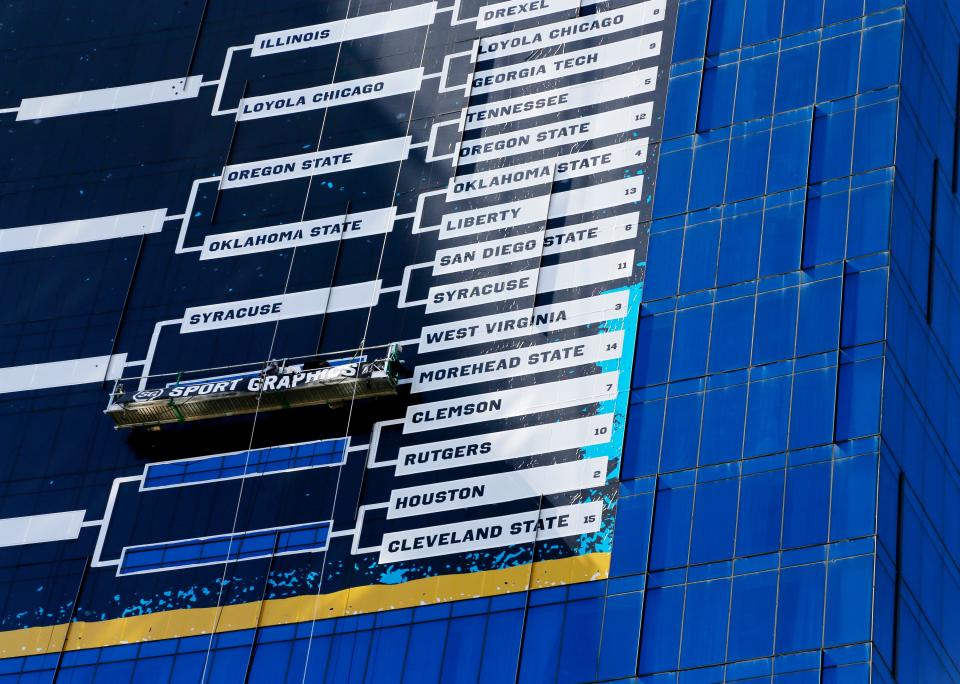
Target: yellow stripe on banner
{"x": 187, "y": 622}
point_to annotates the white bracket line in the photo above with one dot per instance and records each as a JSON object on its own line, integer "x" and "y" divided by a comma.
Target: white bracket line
{"x": 185, "y": 216}
{"x": 375, "y": 442}
{"x": 405, "y": 285}
{"x": 341, "y": 533}
{"x": 216, "y": 111}
{"x": 154, "y": 338}
{"x": 95, "y": 561}
{"x": 355, "y": 548}
{"x": 445, "y": 69}
{"x": 455, "y": 20}
{"x": 11, "y": 110}
{"x": 418, "y": 213}
{"x": 466, "y": 105}
{"x": 432, "y": 140}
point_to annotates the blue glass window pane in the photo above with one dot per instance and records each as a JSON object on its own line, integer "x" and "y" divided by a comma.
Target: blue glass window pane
{"x": 423, "y": 657}
{"x": 797, "y": 75}
{"x": 864, "y": 298}
{"x": 876, "y": 134}
{"x": 756, "y": 88}
{"x": 880, "y": 63}
{"x": 226, "y": 666}
{"x": 811, "y": 419}
{"x": 761, "y": 503}
{"x": 663, "y": 265}
{"x": 726, "y": 26}
{"x": 801, "y": 15}
{"x": 748, "y": 152}
{"x": 673, "y": 174}
{"x": 714, "y": 521}
{"x": 691, "y": 31}
{"x": 722, "y": 436}
{"x": 683, "y": 96}
{"x": 689, "y": 353}
{"x": 800, "y": 608}
{"x": 631, "y": 535}
{"x": 739, "y": 248}
{"x": 761, "y": 21}
{"x": 671, "y": 529}
{"x": 709, "y": 170}
{"x": 869, "y": 219}
{"x": 387, "y": 649}
{"x": 752, "y": 615}
{"x": 540, "y": 639}
{"x": 705, "y": 623}
{"x": 832, "y": 149}
{"x": 503, "y": 637}
{"x": 807, "y": 503}
{"x": 154, "y": 670}
{"x": 840, "y": 10}
{"x": 789, "y": 155}
{"x": 731, "y": 337}
{"x": 461, "y": 654}
{"x": 621, "y": 635}
{"x": 661, "y": 630}
{"x": 642, "y": 446}
{"x": 681, "y": 433}
{"x": 654, "y": 340}
{"x": 825, "y": 236}
{"x": 773, "y": 336}
{"x": 700, "y": 257}
{"x": 839, "y": 64}
{"x": 849, "y": 595}
{"x": 858, "y": 404}
{"x": 581, "y": 641}
{"x": 767, "y": 411}
{"x": 818, "y": 329}
{"x": 854, "y": 497}
{"x": 782, "y": 231}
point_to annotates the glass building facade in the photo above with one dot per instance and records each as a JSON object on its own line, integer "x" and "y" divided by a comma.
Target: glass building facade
{"x": 785, "y": 504}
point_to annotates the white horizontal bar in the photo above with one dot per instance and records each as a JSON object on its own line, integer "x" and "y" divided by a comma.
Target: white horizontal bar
{"x": 37, "y": 376}
{"x": 105, "y": 99}
{"x": 34, "y": 529}
{"x": 82, "y": 230}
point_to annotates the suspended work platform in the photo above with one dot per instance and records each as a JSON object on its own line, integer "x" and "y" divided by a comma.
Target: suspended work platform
{"x": 311, "y": 383}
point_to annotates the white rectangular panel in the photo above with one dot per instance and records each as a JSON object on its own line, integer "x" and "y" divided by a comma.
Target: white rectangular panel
{"x": 500, "y": 287}
{"x": 312, "y": 163}
{"x": 541, "y": 358}
{"x": 519, "y": 176}
{"x": 498, "y": 217}
{"x": 511, "y": 324}
{"x": 82, "y": 230}
{"x": 493, "y": 489}
{"x": 531, "y": 245}
{"x": 579, "y": 28}
{"x": 35, "y": 529}
{"x": 504, "y": 445}
{"x": 302, "y": 233}
{"x": 499, "y": 13}
{"x": 491, "y": 533}
{"x": 280, "y": 307}
{"x": 37, "y": 376}
{"x": 332, "y": 95}
{"x": 561, "y": 99}
{"x": 549, "y": 135}
{"x": 512, "y": 403}
{"x": 564, "y": 64}
{"x": 109, "y": 98}
{"x": 344, "y": 29}
{"x": 596, "y": 197}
